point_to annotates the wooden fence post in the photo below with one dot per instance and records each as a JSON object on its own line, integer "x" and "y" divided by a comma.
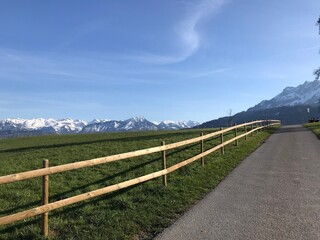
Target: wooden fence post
{"x": 245, "y": 130}
{"x": 236, "y": 143}
{"x": 164, "y": 165}
{"x": 201, "y": 149}
{"x": 221, "y": 141}
{"x": 45, "y": 200}
{"x": 260, "y": 125}
{"x": 251, "y": 129}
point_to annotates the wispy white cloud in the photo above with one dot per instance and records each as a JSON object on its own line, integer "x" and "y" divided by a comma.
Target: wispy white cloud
{"x": 187, "y": 33}
{"x": 80, "y": 32}
{"x": 208, "y": 73}
{"x": 35, "y": 66}
{"x": 45, "y": 105}
{"x": 309, "y": 48}
{"x": 150, "y": 58}
{"x": 187, "y": 29}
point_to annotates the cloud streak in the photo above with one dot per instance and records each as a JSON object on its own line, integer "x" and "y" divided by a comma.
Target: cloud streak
{"x": 187, "y": 28}
{"x": 187, "y": 33}
{"x": 209, "y": 73}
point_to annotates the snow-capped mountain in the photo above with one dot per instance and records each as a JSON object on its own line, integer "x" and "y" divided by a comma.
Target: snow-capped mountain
{"x": 166, "y": 125}
{"x": 135, "y": 124}
{"x": 39, "y": 126}
{"x": 42, "y": 125}
{"x": 307, "y": 93}
{"x": 294, "y": 105}
{"x": 132, "y": 124}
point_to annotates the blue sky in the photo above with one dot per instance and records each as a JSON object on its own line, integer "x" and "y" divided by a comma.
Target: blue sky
{"x": 168, "y": 59}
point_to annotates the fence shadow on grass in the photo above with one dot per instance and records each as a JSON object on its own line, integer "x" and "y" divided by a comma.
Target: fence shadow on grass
{"x": 37, "y": 220}
{"x": 60, "y": 196}
{"x": 122, "y": 139}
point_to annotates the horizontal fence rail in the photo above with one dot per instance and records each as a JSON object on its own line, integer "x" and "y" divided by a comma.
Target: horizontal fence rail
{"x": 46, "y": 171}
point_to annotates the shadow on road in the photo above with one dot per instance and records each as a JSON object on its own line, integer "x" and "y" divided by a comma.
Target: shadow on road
{"x": 292, "y": 128}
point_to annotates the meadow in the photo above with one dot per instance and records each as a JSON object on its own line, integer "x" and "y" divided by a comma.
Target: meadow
{"x": 138, "y": 212}
{"x": 315, "y": 127}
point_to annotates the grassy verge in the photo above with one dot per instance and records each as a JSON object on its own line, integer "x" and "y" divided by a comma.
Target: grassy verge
{"x": 315, "y": 127}
{"x": 139, "y": 212}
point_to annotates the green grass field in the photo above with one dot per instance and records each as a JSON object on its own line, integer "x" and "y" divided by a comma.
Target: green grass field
{"x": 139, "y": 212}
{"x": 315, "y": 127}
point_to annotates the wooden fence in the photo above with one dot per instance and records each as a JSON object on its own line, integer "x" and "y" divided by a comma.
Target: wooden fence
{"x": 46, "y": 170}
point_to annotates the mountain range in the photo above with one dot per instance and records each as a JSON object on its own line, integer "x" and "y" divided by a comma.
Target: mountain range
{"x": 41, "y": 126}
{"x": 294, "y": 105}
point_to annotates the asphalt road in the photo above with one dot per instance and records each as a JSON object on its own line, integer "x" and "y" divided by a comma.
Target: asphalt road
{"x": 273, "y": 194}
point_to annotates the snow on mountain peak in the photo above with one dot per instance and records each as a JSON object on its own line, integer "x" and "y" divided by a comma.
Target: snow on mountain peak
{"x": 168, "y": 121}
{"x": 168, "y": 124}
{"x": 41, "y": 124}
{"x": 307, "y": 93}
{"x": 98, "y": 121}
{"x": 138, "y": 119}
{"x": 67, "y": 125}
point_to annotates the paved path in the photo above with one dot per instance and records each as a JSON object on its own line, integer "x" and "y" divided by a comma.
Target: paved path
{"x": 273, "y": 194}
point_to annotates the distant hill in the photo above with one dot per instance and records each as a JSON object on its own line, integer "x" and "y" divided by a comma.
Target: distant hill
{"x": 305, "y": 94}
{"x": 290, "y": 106}
{"x": 287, "y": 115}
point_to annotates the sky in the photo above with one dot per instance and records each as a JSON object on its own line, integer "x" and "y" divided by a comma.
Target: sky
{"x": 164, "y": 60}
